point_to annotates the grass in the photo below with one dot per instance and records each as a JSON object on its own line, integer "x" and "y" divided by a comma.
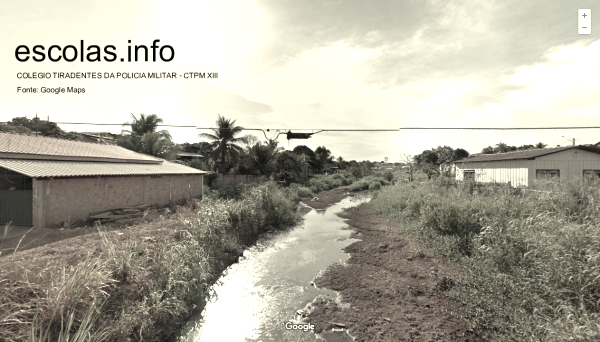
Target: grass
{"x": 139, "y": 283}
{"x": 532, "y": 259}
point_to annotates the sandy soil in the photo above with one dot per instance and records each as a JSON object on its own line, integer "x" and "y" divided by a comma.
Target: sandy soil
{"x": 391, "y": 289}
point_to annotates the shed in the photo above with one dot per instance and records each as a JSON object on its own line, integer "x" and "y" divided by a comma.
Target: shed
{"x": 521, "y": 168}
{"x": 47, "y": 181}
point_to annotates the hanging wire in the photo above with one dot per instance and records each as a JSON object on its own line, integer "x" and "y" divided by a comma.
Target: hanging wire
{"x": 333, "y": 129}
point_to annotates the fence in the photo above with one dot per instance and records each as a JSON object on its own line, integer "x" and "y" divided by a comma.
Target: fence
{"x": 224, "y": 180}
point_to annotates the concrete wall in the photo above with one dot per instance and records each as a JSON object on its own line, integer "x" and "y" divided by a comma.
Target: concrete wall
{"x": 56, "y": 200}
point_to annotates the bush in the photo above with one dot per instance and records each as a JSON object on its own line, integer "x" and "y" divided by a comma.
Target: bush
{"x": 532, "y": 257}
{"x": 234, "y": 191}
{"x": 302, "y": 191}
{"x": 374, "y": 186}
{"x": 359, "y": 186}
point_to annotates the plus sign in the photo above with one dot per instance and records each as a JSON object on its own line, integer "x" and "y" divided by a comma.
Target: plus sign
{"x": 584, "y": 15}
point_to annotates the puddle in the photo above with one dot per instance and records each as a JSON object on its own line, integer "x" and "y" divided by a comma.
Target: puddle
{"x": 257, "y": 296}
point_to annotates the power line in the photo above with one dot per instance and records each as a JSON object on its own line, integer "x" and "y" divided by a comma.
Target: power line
{"x": 331, "y": 129}
{"x": 499, "y": 128}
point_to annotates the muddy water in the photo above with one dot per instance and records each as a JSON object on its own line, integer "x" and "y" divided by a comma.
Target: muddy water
{"x": 264, "y": 290}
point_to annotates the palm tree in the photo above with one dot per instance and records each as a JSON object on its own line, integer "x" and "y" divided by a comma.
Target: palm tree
{"x": 223, "y": 140}
{"x": 264, "y": 157}
{"x": 146, "y": 124}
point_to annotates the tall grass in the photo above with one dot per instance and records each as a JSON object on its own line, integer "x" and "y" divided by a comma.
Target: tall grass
{"x": 149, "y": 278}
{"x": 532, "y": 257}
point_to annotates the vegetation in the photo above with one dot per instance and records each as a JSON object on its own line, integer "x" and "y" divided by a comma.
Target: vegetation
{"x": 532, "y": 258}
{"x": 436, "y": 160}
{"x": 502, "y": 148}
{"x": 143, "y": 284}
{"x": 224, "y": 143}
{"x": 23, "y": 125}
{"x": 143, "y": 136}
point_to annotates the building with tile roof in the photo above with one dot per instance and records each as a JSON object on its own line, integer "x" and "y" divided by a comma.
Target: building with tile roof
{"x": 522, "y": 168}
{"x": 47, "y": 181}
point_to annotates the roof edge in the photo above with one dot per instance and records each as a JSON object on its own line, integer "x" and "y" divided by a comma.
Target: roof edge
{"x": 588, "y": 148}
{"x": 4, "y": 155}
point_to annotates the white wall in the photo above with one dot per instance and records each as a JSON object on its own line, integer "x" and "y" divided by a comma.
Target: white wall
{"x": 570, "y": 163}
{"x": 504, "y": 171}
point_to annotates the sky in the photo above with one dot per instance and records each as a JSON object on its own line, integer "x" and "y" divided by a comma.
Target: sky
{"x": 311, "y": 65}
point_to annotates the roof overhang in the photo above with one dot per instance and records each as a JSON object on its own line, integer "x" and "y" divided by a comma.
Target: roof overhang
{"x": 4, "y": 155}
{"x": 69, "y": 169}
{"x": 525, "y": 154}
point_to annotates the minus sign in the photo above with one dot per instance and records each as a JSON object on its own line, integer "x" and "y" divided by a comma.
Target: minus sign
{"x": 584, "y": 27}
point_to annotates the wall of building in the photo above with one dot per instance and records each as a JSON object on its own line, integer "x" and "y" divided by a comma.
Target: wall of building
{"x": 514, "y": 171}
{"x": 570, "y": 163}
{"x": 57, "y": 200}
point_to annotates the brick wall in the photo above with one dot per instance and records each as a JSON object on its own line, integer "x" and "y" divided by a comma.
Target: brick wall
{"x": 60, "y": 199}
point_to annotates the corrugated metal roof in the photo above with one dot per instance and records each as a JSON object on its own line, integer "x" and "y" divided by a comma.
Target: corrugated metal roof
{"x": 525, "y": 154}
{"x": 31, "y": 146}
{"x": 42, "y": 168}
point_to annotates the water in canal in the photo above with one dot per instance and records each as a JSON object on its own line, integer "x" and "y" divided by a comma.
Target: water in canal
{"x": 263, "y": 291}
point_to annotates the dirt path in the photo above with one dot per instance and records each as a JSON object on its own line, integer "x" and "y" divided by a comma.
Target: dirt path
{"x": 391, "y": 289}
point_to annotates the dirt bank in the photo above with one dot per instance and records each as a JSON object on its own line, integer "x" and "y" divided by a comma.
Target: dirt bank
{"x": 327, "y": 198}
{"x": 391, "y": 289}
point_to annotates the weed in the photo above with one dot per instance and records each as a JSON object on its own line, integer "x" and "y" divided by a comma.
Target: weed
{"x": 533, "y": 257}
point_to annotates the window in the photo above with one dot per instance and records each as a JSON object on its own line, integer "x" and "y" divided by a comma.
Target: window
{"x": 547, "y": 174}
{"x": 469, "y": 175}
{"x": 591, "y": 175}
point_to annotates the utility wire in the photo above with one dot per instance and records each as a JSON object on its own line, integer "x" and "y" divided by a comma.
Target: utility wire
{"x": 499, "y": 128}
{"x": 334, "y": 129}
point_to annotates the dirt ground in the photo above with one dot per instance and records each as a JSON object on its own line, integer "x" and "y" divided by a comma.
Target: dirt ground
{"x": 37, "y": 237}
{"x": 391, "y": 289}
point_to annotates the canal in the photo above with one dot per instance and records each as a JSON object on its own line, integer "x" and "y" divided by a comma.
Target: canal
{"x": 273, "y": 280}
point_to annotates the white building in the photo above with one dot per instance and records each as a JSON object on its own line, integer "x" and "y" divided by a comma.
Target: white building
{"x": 521, "y": 168}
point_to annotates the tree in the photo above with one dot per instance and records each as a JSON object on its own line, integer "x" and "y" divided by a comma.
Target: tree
{"x": 322, "y": 156}
{"x": 341, "y": 163}
{"x": 224, "y": 142}
{"x": 459, "y": 153}
{"x": 540, "y": 145}
{"x": 410, "y": 162}
{"x": 259, "y": 159}
{"x": 143, "y": 137}
{"x": 310, "y": 155}
{"x": 501, "y": 148}
{"x": 146, "y": 124}
{"x": 488, "y": 150}
{"x": 427, "y": 162}
{"x": 289, "y": 166}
